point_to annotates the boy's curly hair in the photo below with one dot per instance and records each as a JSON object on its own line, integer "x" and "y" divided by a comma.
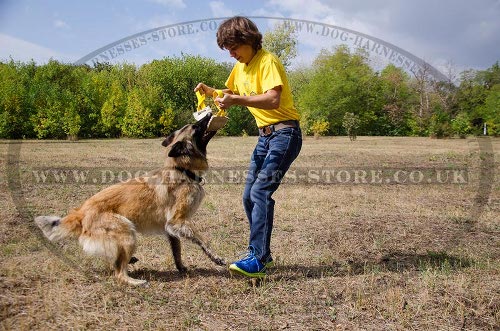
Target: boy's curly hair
{"x": 237, "y": 31}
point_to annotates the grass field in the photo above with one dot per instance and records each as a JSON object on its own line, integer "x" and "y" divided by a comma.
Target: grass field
{"x": 366, "y": 237}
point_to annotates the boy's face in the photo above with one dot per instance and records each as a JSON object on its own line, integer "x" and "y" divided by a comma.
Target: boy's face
{"x": 242, "y": 53}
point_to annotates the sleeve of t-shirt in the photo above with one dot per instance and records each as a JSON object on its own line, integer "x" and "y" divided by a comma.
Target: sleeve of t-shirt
{"x": 271, "y": 75}
{"x": 230, "y": 84}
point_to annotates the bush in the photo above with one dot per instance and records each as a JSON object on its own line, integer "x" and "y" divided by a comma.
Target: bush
{"x": 351, "y": 124}
{"x": 439, "y": 124}
{"x": 460, "y": 125}
{"x": 319, "y": 127}
{"x": 138, "y": 121}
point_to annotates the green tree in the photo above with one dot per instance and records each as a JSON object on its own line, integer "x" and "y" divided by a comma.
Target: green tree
{"x": 491, "y": 76}
{"x": 166, "y": 121}
{"x": 490, "y": 111}
{"x": 471, "y": 96}
{"x": 175, "y": 78}
{"x": 461, "y": 125}
{"x": 398, "y": 100}
{"x": 52, "y": 85}
{"x": 95, "y": 87}
{"x": 478, "y": 97}
{"x": 15, "y": 101}
{"x": 299, "y": 79}
{"x": 342, "y": 82}
{"x": 240, "y": 122}
{"x": 81, "y": 116}
{"x": 440, "y": 124}
{"x": 138, "y": 120}
{"x": 282, "y": 41}
{"x": 113, "y": 110}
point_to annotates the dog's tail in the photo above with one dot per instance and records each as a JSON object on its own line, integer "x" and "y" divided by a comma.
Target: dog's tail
{"x": 55, "y": 228}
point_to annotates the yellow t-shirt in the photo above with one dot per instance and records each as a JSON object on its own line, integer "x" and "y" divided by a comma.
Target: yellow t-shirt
{"x": 264, "y": 72}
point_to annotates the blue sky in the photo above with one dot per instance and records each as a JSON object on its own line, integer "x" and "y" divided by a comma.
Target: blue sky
{"x": 462, "y": 33}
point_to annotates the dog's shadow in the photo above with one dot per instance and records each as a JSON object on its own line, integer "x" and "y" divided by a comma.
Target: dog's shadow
{"x": 174, "y": 275}
{"x": 395, "y": 262}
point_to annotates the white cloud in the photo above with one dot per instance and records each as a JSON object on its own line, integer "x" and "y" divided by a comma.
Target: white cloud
{"x": 21, "y": 50}
{"x": 319, "y": 11}
{"x": 219, "y": 9}
{"x": 154, "y": 22}
{"x": 60, "y": 24}
{"x": 418, "y": 27}
{"x": 314, "y": 9}
{"x": 170, "y": 3}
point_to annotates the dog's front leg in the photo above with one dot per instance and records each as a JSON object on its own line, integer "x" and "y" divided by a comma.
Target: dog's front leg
{"x": 175, "y": 244}
{"x": 198, "y": 239}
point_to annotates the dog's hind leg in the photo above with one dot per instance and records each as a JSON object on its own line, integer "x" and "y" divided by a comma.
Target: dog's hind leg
{"x": 112, "y": 236}
{"x": 188, "y": 232}
{"x": 125, "y": 248}
{"x": 175, "y": 244}
{"x": 120, "y": 266}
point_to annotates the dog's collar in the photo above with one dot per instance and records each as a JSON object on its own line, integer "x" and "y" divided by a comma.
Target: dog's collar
{"x": 190, "y": 174}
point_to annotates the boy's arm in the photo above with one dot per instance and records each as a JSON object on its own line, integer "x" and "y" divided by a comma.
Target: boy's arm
{"x": 207, "y": 90}
{"x": 268, "y": 100}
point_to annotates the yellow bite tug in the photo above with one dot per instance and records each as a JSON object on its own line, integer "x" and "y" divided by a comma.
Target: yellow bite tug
{"x": 219, "y": 118}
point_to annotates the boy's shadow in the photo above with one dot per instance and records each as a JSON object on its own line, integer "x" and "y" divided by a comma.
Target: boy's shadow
{"x": 396, "y": 262}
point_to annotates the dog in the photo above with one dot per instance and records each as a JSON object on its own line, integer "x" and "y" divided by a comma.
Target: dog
{"x": 163, "y": 201}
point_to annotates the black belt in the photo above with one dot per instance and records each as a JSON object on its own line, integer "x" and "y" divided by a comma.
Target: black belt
{"x": 268, "y": 130}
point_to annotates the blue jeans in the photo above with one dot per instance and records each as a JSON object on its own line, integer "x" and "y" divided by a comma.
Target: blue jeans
{"x": 270, "y": 160}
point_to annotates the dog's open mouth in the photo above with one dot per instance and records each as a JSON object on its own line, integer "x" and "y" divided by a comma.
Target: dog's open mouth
{"x": 203, "y": 131}
{"x": 207, "y": 135}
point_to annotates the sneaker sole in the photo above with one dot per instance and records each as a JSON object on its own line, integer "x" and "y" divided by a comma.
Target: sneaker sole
{"x": 235, "y": 269}
{"x": 269, "y": 264}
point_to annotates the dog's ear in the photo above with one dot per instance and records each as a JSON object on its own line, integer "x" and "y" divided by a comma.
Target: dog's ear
{"x": 168, "y": 140}
{"x": 181, "y": 148}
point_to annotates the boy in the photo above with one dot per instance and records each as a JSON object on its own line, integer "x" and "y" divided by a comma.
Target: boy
{"x": 258, "y": 81}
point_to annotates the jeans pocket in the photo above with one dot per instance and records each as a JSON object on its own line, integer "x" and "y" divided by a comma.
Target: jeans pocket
{"x": 286, "y": 143}
{"x": 287, "y": 131}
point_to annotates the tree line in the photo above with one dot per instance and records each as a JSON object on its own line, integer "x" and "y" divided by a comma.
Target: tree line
{"x": 58, "y": 100}
{"x": 339, "y": 93}
{"x": 341, "y": 89}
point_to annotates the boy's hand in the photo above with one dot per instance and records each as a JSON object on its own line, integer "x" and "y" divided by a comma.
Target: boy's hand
{"x": 204, "y": 89}
{"x": 225, "y": 101}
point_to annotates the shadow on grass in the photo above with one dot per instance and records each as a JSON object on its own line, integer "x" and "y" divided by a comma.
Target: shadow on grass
{"x": 174, "y": 275}
{"x": 393, "y": 262}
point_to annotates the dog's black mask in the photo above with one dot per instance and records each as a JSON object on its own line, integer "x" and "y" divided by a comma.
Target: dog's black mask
{"x": 196, "y": 133}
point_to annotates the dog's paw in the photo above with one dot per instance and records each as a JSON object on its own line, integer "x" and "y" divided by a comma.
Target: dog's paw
{"x": 132, "y": 281}
{"x": 220, "y": 261}
{"x": 145, "y": 284}
{"x": 182, "y": 269}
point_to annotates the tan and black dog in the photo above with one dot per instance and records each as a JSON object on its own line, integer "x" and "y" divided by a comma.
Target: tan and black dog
{"x": 163, "y": 201}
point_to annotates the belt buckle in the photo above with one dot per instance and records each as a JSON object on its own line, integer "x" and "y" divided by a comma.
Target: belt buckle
{"x": 266, "y": 131}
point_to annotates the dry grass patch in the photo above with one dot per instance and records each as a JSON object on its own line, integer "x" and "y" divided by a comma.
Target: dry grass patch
{"x": 349, "y": 256}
